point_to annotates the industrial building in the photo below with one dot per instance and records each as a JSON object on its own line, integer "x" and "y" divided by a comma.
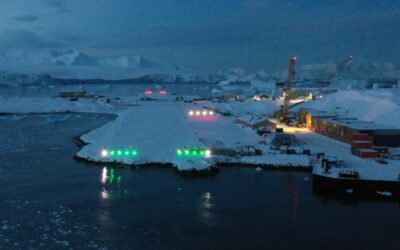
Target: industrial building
{"x": 306, "y": 116}
{"x": 343, "y": 129}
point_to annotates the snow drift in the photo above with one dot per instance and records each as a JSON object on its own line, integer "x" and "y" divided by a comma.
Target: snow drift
{"x": 380, "y": 106}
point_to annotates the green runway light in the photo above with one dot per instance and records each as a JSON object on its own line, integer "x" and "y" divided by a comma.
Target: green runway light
{"x": 119, "y": 153}
{"x": 193, "y": 152}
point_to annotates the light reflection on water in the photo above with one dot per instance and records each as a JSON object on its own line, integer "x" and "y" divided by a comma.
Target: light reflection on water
{"x": 104, "y": 194}
{"x": 111, "y": 184}
{"x": 185, "y": 216}
{"x": 206, "y": 213}
{"x": 104, "y": 176}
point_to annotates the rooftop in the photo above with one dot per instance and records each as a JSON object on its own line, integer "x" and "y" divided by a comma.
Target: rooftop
{"x": 319, "y": 113}
{"x": 358, "y": 124}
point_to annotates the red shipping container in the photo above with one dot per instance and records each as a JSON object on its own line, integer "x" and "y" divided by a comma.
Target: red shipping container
{"x": 360, "y": 137}
{"x": 367, "y": 153}
{"x": 362, "y": 144}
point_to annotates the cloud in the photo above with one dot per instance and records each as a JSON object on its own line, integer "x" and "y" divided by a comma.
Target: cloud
{"x": 23, "y": 39}
{"x": 59, "y": 5}
{"x": 27, "y": 18}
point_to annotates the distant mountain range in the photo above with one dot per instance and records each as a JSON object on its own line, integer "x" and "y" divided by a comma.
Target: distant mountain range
{"x": 74, "y": 58}
{"x": 44, "y": 67}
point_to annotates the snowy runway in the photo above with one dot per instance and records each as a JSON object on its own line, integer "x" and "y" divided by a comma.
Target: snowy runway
{"x": 155, "y": 130}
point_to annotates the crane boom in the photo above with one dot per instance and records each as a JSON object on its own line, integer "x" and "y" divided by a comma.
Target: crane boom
{"x": 287, "y": 89}
{"x": 340, "y": 68}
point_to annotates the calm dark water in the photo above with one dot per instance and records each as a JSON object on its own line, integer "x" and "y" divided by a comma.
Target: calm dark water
{"x": 49, "y": 201}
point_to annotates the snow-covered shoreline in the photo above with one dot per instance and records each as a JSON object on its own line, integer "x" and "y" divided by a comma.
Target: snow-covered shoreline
{"x": 156, "y": 130}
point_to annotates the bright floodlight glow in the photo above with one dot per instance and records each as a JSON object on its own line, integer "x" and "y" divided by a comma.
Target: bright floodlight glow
{"x": 112, "y": 152}
{"x": 119, "y": 152}
{"x": 208, "y": 152}
{"x": 187, "y": 152}
{"x": 197, "y": 113}
{"x": 104, "y": 175}
{"x": 211, "y": 112}
{"x": 204, "y": 112}
{"x": 127, "y": 152}
{"x": 191, "y": 113}
{"x": 179, "y": 152}
{"x": 104, "y": 153}
{"x": 134, "y": 152}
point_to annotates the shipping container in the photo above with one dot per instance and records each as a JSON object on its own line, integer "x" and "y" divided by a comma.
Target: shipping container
{"x": 367, "y": 153}
{"x": 362, "y": 144}
{"x": 360, "y": 137}
{"x": 350, "y": 129}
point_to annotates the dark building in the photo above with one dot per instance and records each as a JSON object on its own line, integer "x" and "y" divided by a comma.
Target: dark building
{"x": 343, "y": 129}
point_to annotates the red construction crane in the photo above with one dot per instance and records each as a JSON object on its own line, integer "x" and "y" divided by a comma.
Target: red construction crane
{"x": 339, "y": 68}
{"x": 287, "y": 89}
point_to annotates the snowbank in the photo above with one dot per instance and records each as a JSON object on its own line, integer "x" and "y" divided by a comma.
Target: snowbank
{"x": 380, "y": 106}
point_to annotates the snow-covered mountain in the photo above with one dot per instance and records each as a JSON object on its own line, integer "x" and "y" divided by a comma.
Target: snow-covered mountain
{"x": 17, "y": 79}
{"x": 77, "y": 65}
{"x": 358, "y": 69}
{"x": 44, "y": 57}
{"x": 43, "y": 66}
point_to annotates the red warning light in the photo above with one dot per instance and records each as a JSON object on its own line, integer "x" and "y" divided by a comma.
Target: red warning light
{"x": 163, "y": 92}
{"x": 148, "y": 92}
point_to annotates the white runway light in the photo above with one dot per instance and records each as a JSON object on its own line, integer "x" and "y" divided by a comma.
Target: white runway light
{"x": 104, "y": 153}
{"x": 201, "y": 113}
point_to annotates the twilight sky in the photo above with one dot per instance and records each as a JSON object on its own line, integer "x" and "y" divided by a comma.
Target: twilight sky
{"x": 208, "y": 35}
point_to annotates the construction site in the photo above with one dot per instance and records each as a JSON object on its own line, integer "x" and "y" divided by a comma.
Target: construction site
{"x": 371, "y": 142}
